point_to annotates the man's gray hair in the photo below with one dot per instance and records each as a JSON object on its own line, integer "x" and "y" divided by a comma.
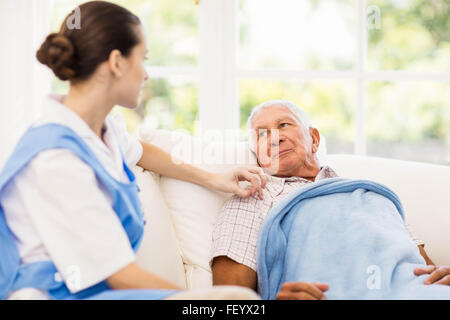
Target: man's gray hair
{"x": 296, "y": 111}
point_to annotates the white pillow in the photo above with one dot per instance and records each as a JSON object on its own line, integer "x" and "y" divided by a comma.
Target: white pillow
{"x": 194, "y": 208}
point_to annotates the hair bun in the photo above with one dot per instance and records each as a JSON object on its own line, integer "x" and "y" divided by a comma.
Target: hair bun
{"x": 58, "y": 53}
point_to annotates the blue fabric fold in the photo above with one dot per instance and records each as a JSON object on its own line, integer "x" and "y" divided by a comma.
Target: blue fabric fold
{"x": 347, "y": 233}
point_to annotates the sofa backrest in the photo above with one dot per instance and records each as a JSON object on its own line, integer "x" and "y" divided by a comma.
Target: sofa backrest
{"x": 178, "y": 247}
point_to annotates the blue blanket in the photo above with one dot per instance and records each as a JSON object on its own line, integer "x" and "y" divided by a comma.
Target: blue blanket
{"x": 347, "y": 233}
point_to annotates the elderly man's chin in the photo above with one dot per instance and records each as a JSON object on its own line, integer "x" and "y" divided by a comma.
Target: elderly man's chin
{"x": 280, "y": 166}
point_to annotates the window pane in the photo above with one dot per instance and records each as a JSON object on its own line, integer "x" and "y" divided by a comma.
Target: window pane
{"x": 309, "y": 34}
{"x": 166, "y": 104}
{"x": 409, "y": 121}
{"x": 171, "y": 27}
{"x": 329, "y": 104}
{"x": 412, "y": 35}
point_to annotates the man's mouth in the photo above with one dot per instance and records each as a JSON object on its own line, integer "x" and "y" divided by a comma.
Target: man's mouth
{"x": 282, "y": 153}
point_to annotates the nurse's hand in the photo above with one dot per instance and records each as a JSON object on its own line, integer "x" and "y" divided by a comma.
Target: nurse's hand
{"x": 229, "y": 181}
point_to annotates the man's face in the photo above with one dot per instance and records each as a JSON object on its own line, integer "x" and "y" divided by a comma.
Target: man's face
{"x": 284, "y": 145}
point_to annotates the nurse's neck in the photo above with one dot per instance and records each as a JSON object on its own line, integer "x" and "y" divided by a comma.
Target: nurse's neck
{"x": 92, "y": 103}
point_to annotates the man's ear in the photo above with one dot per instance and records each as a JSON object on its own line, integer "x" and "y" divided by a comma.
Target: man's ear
{"x": 116, "y": 63}
{"x": 315, "y": 136}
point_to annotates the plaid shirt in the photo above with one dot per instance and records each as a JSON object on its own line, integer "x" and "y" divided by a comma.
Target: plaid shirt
{"x": 236, "y": 230}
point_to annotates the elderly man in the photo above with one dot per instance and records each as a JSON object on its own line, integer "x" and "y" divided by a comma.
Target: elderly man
{"x": 286, "y": 145}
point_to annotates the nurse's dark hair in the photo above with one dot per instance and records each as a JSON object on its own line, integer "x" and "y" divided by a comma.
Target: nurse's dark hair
{"x": 75, "y": 51}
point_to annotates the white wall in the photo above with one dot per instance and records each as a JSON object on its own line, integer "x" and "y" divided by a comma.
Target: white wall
{"x": 23, "y": 80}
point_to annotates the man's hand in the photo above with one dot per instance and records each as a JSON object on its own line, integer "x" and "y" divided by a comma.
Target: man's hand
{"x": 302, "y": 291}
{"x": 438, "y": 275}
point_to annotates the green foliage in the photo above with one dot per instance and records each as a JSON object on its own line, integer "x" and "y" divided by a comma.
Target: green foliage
{"x": 408, "y": 112}
{"x": 414, "y": 35}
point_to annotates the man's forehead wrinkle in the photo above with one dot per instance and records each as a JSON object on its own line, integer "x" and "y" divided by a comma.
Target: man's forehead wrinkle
{"x": 275, "y": 121}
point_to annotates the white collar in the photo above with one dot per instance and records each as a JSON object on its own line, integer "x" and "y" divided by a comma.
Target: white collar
{"x": 56, "y": 111}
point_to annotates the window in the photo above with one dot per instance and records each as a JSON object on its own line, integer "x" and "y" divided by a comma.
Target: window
{"x": 170, "y": 97}
{"x": 409, "y": 120}
{"x": 408, "y": 92}
{"x": 300, "y": 35}
{"x": 374, "y": 75}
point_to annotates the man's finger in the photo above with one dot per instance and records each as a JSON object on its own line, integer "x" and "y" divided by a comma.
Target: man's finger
{"x": 322, "y": 286}
{"x": 424, "y": 270}
{"x": 296, "y": 295}
{"x": 303, "y": 286}
{"x": 437, "y": 275}
{"x": 445, "y": 280}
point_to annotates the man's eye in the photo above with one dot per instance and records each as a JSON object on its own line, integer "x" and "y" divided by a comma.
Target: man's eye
{"x": 284, "y": 124}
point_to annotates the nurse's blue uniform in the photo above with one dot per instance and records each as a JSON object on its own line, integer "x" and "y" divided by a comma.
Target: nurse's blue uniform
{"x": 41, "y": 275}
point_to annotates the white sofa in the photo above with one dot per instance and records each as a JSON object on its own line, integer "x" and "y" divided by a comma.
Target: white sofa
{"x": 180, "y": 215}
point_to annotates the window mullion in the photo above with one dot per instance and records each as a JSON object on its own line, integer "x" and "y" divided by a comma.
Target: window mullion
{"x": 218, "y": 102}
{"x": 360, "y": 112}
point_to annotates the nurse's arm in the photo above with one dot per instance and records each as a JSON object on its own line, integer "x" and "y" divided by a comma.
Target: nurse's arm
{"x": 157, "y": 160}
{"x": 134, "y": 277}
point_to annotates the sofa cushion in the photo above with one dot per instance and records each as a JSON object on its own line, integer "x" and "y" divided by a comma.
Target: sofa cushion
{"x": 159, "y": 251}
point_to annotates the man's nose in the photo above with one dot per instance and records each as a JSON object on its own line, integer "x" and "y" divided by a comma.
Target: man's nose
{"x": 276, "y": 138}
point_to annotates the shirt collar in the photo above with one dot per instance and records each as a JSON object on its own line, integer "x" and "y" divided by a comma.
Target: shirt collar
{"x": 57, "y": 112}
{"x": 275, "y": 184}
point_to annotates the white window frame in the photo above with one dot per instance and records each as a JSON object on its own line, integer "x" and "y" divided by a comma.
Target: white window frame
{"x": 23, "y": 80}
{"x": 219, "y": 83}
{"x": 217, "y": 72}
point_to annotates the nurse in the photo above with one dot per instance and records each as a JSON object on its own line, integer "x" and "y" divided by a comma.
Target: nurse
{"x": 70, "y": 218}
